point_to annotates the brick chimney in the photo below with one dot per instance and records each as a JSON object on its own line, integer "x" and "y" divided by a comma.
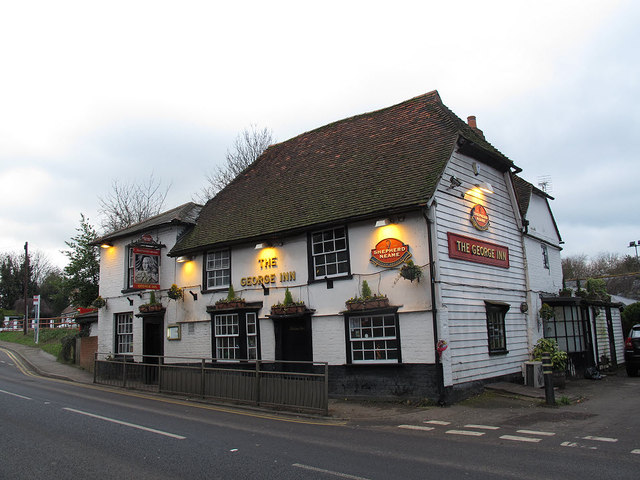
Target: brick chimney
{"x": 471, "y": 121}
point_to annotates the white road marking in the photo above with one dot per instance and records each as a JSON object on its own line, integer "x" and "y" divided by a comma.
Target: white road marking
{"x": 636, "y": 451}
{"x": 535, "y": 432}
{"x": 516, "y": 438}
{"x": 437, "y": 422}
{"x": 601, "y": 439}
{"x": 16, "y": 395}
{"x": 482, "y": 427}
{"x": 416, "y": 427}
{"x": 573, "y": 445}
{"x": 468, "y": 433}
{"x": 328, "y": 472}
{"x": 126, "y": 424}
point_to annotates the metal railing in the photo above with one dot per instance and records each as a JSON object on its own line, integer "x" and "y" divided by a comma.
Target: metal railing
{"x": 280, "y": 384}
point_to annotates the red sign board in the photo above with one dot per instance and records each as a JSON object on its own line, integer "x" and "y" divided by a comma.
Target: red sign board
{"x": 479, "y": 217}
{"x": 146, "y": 268}
{"x": 390, "y": 252}
{"x": 478, "y": 251}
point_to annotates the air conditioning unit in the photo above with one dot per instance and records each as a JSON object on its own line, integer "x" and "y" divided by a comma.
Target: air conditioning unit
{"x": 532, "y": 373}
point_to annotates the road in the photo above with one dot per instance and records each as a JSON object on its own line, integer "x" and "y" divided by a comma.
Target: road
{"x": 57, "y": 429}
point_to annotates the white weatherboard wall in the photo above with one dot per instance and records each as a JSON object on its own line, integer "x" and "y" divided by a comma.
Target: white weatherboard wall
{"x": 541, "y": 232}
{"x": 463, "y": 286}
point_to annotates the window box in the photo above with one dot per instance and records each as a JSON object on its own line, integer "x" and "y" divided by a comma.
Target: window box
{"x": 288, "y": 309}
{"x": 368, "y": 304}
{"x": 230, "y": 304}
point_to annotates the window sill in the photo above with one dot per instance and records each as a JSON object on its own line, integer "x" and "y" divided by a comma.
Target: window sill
{"x": 498, "y": 353}
{"x": 332, "y": 279}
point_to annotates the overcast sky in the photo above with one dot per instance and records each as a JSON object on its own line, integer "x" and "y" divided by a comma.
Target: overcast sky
{"x": 92, "y": 92}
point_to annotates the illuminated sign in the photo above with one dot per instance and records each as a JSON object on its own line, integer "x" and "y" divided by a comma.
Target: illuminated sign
{"x": 268, "y": 278}
{"x": 479, "y": 217}
{"x": 478, "y": 251}
{"x": 146, "y": 268}
{"x": 390, "y": 252}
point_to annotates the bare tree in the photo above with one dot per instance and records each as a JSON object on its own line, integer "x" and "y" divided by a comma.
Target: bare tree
{"x": 130, "y": 203}
{"x": 247, "y": 147}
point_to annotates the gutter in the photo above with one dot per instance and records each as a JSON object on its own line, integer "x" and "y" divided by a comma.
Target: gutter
{"x": 434, "y": 312}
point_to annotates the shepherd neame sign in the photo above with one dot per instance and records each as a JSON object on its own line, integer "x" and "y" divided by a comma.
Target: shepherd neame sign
{"x": 478, "y": 251}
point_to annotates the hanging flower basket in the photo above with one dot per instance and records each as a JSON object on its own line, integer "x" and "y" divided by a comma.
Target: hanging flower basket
{"x": 99, "y": 302}
{"x": 175, "y": 292}
{"x": 411, "y": 271}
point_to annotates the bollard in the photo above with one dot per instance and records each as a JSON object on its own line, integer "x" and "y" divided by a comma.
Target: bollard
{"x": 547, "y": 371}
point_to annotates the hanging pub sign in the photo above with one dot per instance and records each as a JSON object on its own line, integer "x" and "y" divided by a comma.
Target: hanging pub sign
{"x": 478, "y": 251}
{"x": 390, "y": 253}
{"x": 479, "y": 217}
{"x": 146, "y": 268}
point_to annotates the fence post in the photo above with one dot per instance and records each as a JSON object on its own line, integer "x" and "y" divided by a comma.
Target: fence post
{"x": 95, "y": 366}
{"x": 160, "y": 362}
{"x": 257, "y": 385}
{"x": 202, "y": 379}
{"x": 124, "y": 374}
{"x": 326, "y": 389}
{"x": 547, "y": 370}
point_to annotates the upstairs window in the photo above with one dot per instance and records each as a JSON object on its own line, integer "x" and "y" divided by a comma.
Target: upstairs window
{"x": 330, "y": 253}
{"x": 218, "y": 269}
{"x": 545, "y": 256}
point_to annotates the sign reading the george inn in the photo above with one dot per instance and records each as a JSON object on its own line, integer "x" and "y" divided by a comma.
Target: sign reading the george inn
{"x": 478, "y": 251}
{"x": 389, "y": 253}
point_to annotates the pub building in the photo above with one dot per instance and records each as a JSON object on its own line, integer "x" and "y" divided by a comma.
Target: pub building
{"x": 456, "y": 248}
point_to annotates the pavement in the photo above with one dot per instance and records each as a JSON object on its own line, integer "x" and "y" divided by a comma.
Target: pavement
{"x": 500, "y": 403}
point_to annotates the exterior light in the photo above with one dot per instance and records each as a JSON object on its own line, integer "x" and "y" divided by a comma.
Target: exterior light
{"x": 485, "y": 187}
{"x": 383, "y": 222}
{"x": 455, "y": 182}
{"x": 261, "y": 245}
{"x": 106, "y": 245}
{"x": 183, "y": 259}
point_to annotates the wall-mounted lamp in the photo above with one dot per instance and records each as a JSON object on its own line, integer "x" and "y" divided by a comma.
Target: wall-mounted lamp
{"x": 261, "y": 245}
{"x": 184, "y": 258}
{"x": 383, "y": 222}
{"x": 455, "y": 182}
{"x": 194, "y": 295}
{"x": 106, "y": 245}
{"x": 485, "y": 187}
{"x": 130, "y": 301}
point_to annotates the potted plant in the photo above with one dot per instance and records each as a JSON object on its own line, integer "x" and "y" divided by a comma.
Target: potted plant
{"x": 367, "y": 300}
{"x": 546, "y": 312}
{"x": 99, "y": 302}
{"x": 175, "y": 292}
{"x": 154, "y": 305}
{"x": 231, "y": 301}
{"x": 288, "y": 306}
{"x": 411, "y": 271}
{"x": 559, "y": 359}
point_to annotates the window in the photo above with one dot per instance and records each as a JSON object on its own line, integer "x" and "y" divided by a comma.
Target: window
{"x": 236, "y": 336}
{"x": 130, "y": 268}
{"x": 373, "y": 339}
{"x": 218, "y": 269}
{"x": 496, "y": 313}
{"x": 568, "y": 328}
{"x": 124, "y": 333}
{"x": 330, "y": 253}
{"x": 545, "y": 256}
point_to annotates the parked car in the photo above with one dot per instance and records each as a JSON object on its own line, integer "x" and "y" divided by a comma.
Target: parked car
{"x": 632, "y": 351}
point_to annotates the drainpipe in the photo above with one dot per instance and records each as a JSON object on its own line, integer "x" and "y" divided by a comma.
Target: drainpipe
{"x": 434, "y": 312}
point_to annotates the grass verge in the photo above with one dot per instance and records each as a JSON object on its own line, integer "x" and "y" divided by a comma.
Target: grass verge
{"x": 49, "y": 339}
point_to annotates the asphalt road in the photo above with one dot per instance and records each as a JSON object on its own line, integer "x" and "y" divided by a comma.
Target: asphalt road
{"x": 56, "y": 429}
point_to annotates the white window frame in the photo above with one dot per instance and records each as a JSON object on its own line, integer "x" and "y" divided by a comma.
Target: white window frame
{"x": 130, "y": 267}
{"x": 374, "y": 336}
{"x": 227, "y": 334}
{"x": 124, "y": 333}
{"x": 252, "y": 335}
{"x": 326, "y": 248}
{"x": 218, "y": 269}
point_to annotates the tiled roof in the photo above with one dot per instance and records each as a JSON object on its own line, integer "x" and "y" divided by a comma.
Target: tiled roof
{"x": 386, "y": 160}
{"x": 524, "y": 190}
{"x": 186, "y": 214}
